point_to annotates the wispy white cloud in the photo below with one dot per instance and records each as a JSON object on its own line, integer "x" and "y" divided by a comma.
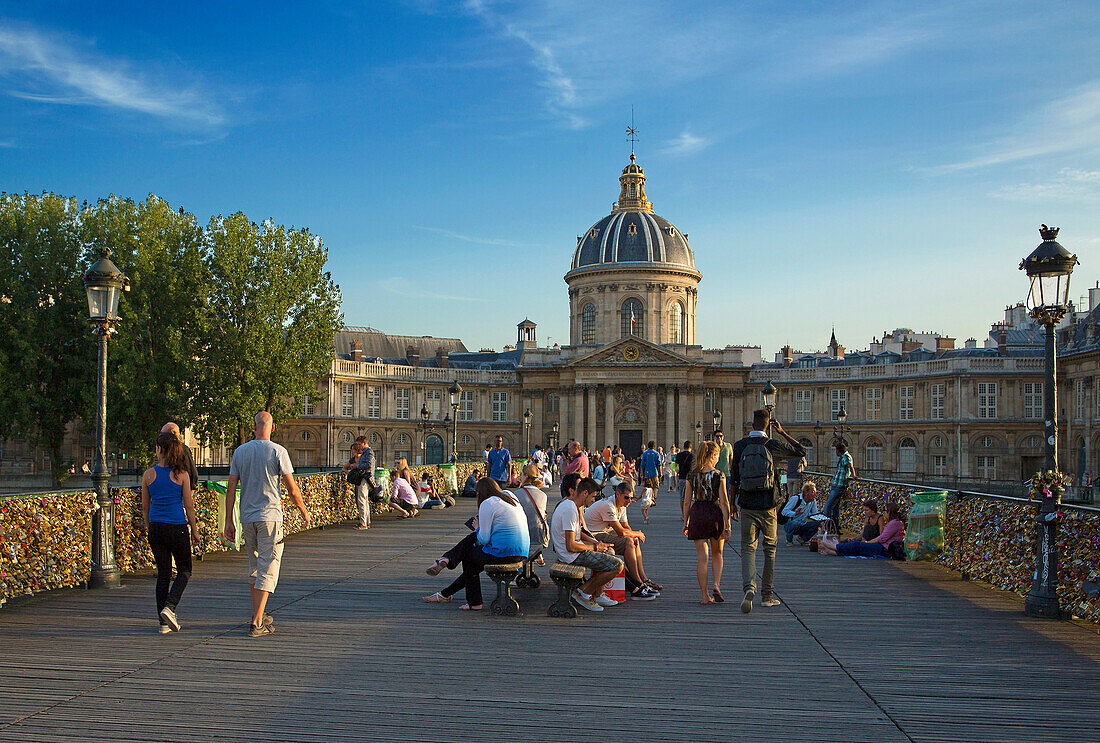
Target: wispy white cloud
{"x": 1068, "y": 184}
{"x": 48, "y": 70}
{"x": 7, "y": 144}
{"x": 1069, "y": 124}
{"x": 563, "y": 92}
{"x": 686, "y": 144}
{"x": 402, "y": 287}
{"x": 469, "y": 238}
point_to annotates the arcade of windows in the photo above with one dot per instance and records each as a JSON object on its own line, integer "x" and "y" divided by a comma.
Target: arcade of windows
{"x": 632, "y": 318}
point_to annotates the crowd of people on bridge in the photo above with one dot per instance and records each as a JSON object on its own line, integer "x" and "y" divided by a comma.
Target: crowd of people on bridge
{"x": 719, "y": 483}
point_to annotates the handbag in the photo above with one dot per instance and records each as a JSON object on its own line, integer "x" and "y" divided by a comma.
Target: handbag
{"x": 355, "y": 476}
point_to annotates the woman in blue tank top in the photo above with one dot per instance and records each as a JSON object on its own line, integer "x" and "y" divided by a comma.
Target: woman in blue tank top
{"x": 169, "y": 512}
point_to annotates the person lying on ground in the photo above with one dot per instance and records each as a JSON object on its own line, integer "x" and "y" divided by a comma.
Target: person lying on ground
{"x": 893, "y": 532}
{"x": 501, "y": 536}
{"x": 607, "y": 521}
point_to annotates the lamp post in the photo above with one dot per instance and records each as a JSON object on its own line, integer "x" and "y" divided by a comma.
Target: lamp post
{"x": 818, "y": 428}
{"x": 527, "y": 431}
{"x": 768, "y": 396}
{"x": 455, "y": 392}
{"x": 698, "y": 431}
{"x": 717, "y": 418}
{"x": 1048, "y": 270}
{"x": 840, "y": 430}
{"x": 103, "y": 283}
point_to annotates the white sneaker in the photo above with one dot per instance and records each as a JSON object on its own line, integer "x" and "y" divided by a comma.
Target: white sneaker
{"x": 169, "y": 618}
{"x": 584, "y": 603}
{"x": 605, "y": 601}
{"x": 165, "y": 629}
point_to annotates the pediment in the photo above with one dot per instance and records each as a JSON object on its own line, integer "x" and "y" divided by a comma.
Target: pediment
{"x": 631, "y": 351}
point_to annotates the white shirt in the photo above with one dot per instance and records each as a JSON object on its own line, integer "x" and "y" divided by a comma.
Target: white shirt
{"x": 566, "y": 518}
{"x": 602, "y": 514}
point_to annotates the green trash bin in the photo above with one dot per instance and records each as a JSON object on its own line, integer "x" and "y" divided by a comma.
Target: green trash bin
{"x": 220, "y": 487}
{"x": 924, "y": 538}
{"x": 450, "y": 479}
{"x": 382, "y": 477}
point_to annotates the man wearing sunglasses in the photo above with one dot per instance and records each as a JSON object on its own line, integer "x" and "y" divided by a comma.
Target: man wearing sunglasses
{"x": 607, "y": 521}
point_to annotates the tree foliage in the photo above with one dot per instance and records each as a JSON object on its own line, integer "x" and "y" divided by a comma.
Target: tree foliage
{"x": 154, "y": 359}
{"x": 220, "y": 322}
{"x": 273, "y": 313}
{"x": 47, "y": 356}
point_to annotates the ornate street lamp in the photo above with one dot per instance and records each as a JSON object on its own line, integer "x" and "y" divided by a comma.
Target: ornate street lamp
{"x": 554, "y": 439}
{"x": 698, "y": 431}
{"x": 527, "y": 431}
{"x": 104, "y": 284}
{"x": 455, "y": 392}
{"x": 1048, "y": 270}
{"x": 717, "y": 418}
{"x": 768, "y": 394}
{"x": 818, "y": 429}
{"x": 840, "y": 431}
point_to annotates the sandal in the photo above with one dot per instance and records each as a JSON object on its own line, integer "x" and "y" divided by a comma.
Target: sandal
{"x": 437, "y": 566}
{"x": 467, "y": 607}
{"x": 437, "y": 598}
{"x": 717, "y": 595}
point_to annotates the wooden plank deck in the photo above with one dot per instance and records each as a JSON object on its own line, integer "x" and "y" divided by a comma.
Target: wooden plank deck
{"x": 860, "y": 651}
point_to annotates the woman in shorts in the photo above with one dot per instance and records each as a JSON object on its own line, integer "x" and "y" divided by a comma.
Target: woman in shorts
{"x": 707, "y": 519}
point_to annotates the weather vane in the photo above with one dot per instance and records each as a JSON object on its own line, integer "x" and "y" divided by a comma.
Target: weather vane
{"x": 631, "y": 133}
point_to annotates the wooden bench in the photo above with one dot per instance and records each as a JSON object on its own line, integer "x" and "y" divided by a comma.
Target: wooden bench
{"x": 503, "y": 574}
{"x": 568, "y": 578}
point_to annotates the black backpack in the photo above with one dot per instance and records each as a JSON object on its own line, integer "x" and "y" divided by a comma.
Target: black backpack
{"x": 756, "y": 486}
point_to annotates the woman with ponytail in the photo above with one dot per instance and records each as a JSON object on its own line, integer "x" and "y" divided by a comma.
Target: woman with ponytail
{"x": 169, "y": 512}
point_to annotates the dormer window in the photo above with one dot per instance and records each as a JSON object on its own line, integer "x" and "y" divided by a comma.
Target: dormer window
{"x": 632, "y": 229}
{"x": 593, "y": 233}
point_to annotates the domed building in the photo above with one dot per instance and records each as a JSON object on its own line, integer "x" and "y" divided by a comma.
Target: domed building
{"x": 633, "y": 273}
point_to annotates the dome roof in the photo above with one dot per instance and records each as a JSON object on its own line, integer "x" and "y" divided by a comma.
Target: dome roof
{"x": 632, "y": 233}
{"x": 632, "y": 237}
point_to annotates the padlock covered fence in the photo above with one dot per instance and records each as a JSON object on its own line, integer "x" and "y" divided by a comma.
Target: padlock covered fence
{"x": 45, "y": 538}
{"x": 991, "y": 538}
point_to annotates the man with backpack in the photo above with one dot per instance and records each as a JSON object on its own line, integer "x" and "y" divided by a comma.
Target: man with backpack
{"x": 754, "y": 477}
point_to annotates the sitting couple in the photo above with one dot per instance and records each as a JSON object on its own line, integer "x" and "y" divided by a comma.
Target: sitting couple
{"x": 877, "y": 540}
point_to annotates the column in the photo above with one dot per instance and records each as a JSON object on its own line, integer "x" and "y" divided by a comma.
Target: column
{"x": 670, "y": 417}
{"x": 737, "y": 425}
{"x": 609, "y": 415}
{"x": 538, "y": 418}
{"x": 651, "y": 414}
{"x": 697, "y": 410}
{"x": 577, "y": 428}
{"x": 590, "y": 431}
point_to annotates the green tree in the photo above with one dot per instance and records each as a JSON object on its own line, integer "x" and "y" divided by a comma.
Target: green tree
{"x": 273, "y": 314}
{"x": 47, "y": 355}
{"x": 155, "y": 357}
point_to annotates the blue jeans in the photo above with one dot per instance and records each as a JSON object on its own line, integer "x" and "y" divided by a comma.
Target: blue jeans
{"x": 861, "y": 549}
{"x": 804, "y": 529}
{"x": 832, "y": 505}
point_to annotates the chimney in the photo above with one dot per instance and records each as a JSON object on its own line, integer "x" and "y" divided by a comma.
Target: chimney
{"x": 1002, "y": 342}
{"x": 787, "y": 356}
{"x": 441, "y": 358}
{"x": 971, "y": 343}
{"x": 356, "y": 350}
{"x": 945, "y": 344}
{"x": 412, "y": 356}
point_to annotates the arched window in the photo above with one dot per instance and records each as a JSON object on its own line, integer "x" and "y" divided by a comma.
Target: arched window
{"x": 433, "y": 450}
{"x": 402, "y": 439}
{"x": 633, "y": 318}
{"x": 907, "y": 456}
{"x": 588, "y": 324}
{"x": 346, "y": 438}
{"x": 809, "y": 447}
{"x": 872, "y": 456}
{"x": 676, "y": 323}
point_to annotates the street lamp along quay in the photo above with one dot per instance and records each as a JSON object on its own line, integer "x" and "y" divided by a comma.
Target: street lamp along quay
{"x": 104, "y": 284}
{"x": 527, "y": 432}
{"x": 1048, "y": 270}
{"x": 455, "y": 392}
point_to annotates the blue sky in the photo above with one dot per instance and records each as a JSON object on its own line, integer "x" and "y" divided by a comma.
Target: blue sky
{"x": 863, "y": 165}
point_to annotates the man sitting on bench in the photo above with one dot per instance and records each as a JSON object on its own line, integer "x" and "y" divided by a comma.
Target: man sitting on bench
{"x": 606, "y": 520}
{"x": 576, "y": 547}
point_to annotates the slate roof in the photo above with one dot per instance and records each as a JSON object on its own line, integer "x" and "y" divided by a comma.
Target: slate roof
{"x": 633, "y": 237}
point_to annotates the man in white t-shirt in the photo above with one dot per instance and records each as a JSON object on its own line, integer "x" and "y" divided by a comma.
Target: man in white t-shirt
{"x": 607, "y": 521}
{"x": 258, "y": 466}
{"x": 574, "y": 546}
